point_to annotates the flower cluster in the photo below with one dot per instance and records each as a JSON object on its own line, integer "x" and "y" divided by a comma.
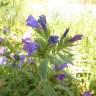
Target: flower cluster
{"x": 87, "y": 93}
{"x": 44, "y": 57}
{"x": 29, "y": 46}
{"x": 38, "y": 24}
{"x": 41, "y": 25}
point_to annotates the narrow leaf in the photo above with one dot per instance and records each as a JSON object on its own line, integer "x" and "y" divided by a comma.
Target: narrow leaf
{"x": 43, "y": 69}
{"x": 48, "y": 90}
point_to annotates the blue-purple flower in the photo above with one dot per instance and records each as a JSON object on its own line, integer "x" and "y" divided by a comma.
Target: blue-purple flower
{"x": 19, "y": 58}
{"x": 22, "y": 57}
{"x": 38, "y": 24}
{"x": 87, "y": 93}
{"x": 29, "y": 46}
{"x": 5, "y": 29}
{"x": 3, "y": 59}
{"x": 42, "y": 22}
{"x": 60, "y": 76}
{"x": 53, "y": 39}
{"x": 59, "y": 66}
{"x": 66, "y": 32}
{"x": 31, "y": 21}
{"x": 26, "y": 40}
{"x": 75, "y": 38}
{"x": 1, "y": 40}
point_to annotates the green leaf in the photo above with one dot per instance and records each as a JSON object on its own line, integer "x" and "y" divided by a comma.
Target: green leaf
{"x": 43, "y": 68}
{"x": 66, "y": 89}
{"x": 59, "y": 60}
{"x": 34, "y": 93}
{"x": 65, "y": 58}
{"x": 48, "y": 90}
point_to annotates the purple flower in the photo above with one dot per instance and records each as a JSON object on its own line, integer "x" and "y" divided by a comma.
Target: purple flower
{"x": 19, "y": 58}
{"x": 26, "y": 40}
{"x": 75, "y": 38}
{"x": 1, "y": 40}
{"x": 22, "y": 57}
{"x": 59, "y": 67}
{"x": 66, "y": 32}
{"x": 31, "y": 21}
{"x": 29, "y": 46}
{"x": 38, "y": 24}
{"x": 53, "y": 39}
{"x": 3, "y": 59}
{"x": 5, "y": 29}
{"x": 87, "y": 93}
{"x": 60, "y": 76}
{"x": 2, "y": 50}
{"x": 42, "y": 22}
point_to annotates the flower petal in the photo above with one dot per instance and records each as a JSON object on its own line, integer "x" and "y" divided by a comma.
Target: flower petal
{"x": 42, "y": 22}
{"x": 3, "y": 59}
{"x": 75, "y": 38}
{"x": 29, "y": 46}
{"x": 60, "y": 76}
{"x": 31, "y": 21}
{"x": 87, "y": 93}
{"x": 1, "y": 40}
{"x": 59, "y": 67}
{"x": 5, "y": 29}
{"x": 2, "y": 50}
{"x": 62, "y": 66}
{"x": 53, "y": 39}
{"x": 22, "y": 57}
{"x": 66, "y": 32}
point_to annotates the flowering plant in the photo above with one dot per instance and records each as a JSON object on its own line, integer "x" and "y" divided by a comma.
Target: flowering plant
{"x": 37, "y": 65}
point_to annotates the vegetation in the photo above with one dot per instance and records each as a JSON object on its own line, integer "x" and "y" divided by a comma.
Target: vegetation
{"x": 53, "y": 66}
